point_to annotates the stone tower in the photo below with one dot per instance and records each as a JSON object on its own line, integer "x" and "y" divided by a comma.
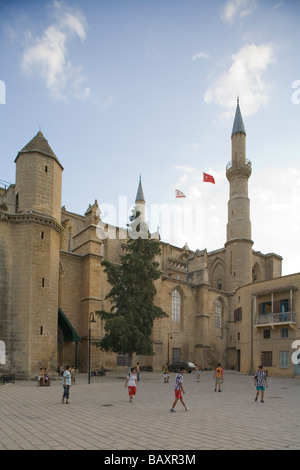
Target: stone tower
{"x": 239, "y": 243}
{"x": 36, "y": 243}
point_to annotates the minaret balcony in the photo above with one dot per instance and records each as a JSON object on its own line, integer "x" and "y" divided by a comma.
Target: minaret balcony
{"x": 235, "y": 169}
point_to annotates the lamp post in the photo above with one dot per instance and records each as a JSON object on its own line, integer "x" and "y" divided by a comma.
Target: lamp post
{"x": 169, "y": 337}
{"x": 91, "y": 320}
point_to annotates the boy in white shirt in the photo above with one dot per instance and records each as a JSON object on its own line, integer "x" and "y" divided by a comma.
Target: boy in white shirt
{"x": 131, "y": 381}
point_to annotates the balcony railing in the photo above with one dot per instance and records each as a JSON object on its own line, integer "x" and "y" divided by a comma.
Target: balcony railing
{"x": 247, "y": 163}
{"x": 274, "y": 318}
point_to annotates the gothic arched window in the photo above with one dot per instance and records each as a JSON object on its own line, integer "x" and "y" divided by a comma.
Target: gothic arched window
{"x": 218, "y": 314}
{"x": 2, "y": 353}
{"x": 176, "y": 306}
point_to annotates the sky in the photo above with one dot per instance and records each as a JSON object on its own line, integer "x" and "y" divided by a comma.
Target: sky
{"x": 124, "y": 89}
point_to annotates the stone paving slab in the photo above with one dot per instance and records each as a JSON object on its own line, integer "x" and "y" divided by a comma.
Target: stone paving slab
{"x": 100, "y": 417}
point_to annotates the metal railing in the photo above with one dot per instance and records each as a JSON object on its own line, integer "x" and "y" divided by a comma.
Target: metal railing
{"x": 275, "y": 318}
{"x": 247, "y": 163}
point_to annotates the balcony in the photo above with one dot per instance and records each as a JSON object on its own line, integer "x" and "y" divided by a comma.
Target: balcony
{"x": 247, "y": 163}
{"x": 275, "y": 308}
{"x": 276, "y": 319}
{"x": 237, "y": 169}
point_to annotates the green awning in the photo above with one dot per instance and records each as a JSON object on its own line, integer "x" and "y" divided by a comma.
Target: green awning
{"x": 67, "y": 328}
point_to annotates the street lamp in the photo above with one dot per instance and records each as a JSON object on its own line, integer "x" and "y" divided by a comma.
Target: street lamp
{"x": 91, "y": 320}
{"x": 169, "y": 337}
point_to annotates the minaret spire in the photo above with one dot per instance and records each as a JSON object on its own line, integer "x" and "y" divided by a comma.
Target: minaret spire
{"x": 238, "y": 124}
{"x": 239, "y": 243}
{"x": 140, "y": 194}
{"x": 140, "y": 201}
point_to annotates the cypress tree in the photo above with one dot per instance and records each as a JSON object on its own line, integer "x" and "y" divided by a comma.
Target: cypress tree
{"x": 129, "y": 323}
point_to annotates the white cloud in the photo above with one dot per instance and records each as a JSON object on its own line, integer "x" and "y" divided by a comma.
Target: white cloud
{"x": 200, "y": 55}
{"x": 278, "y": 5}
{"x": 237, "y": 9}
{"x": 194, "y": 146}
{"x": 47, "y": 56}
{"x": 275, "y": 199}
{"x": 274, "y": 202}
{"x": 245, "y": 77}
{"x": 200, "y": 218}
{"x": 185, "y": 168}
{"x": 70, "y": 19}
{"x": 107, "y": 103}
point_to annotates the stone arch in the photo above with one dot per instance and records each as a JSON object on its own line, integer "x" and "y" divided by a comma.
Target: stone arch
{"x": 217, "y": 274}
{"x": 256, "y": 273}
{"x": 67, "y": 235}
{"x": 177, "y": 296}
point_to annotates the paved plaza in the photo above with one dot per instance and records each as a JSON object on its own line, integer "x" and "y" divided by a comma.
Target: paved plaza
{"x": 100, "y": 417}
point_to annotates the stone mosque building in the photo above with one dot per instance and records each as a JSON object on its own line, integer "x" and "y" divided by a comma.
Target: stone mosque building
{"x": 231, "y": 305}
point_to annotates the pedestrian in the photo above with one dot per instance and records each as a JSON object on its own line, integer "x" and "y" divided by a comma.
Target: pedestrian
{"x": 179, "y": 390}
{"x": 197, "y": 373}
{"x": 260, "y": 381}
{"x": 46, "y": 377}
{"x": 40, "y": 377}
{"x": 131, "y": 381}
{"x": 219, "y": 377}
{"x": 66, "y": 384}
{"x": 138, "y": 371}
{"x": 166, "y": 373}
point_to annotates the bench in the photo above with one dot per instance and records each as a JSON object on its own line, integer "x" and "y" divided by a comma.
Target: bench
{"x": 101, "y": 371}
{"x": 44, "y": 382}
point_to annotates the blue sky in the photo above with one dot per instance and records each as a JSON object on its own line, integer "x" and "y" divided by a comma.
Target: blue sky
{"x": 128, "y": 88}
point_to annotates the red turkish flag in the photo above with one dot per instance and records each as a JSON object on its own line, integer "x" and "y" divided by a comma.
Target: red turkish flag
{"x": 208, "y": 178}
{"x": 179, "y": 193}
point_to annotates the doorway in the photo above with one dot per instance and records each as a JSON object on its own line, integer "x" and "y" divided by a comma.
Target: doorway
{"x": 238, "y": 360}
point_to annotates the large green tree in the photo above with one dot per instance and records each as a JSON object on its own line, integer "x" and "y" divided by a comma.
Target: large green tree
{"x": 129, "y": 323}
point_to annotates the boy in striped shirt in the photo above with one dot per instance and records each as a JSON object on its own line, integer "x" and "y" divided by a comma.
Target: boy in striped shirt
{"x": 179, "y": 390}
{"x": 260, "y": 381}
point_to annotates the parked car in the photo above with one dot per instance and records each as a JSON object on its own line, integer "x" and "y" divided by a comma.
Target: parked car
{"x": 177, "y": 366}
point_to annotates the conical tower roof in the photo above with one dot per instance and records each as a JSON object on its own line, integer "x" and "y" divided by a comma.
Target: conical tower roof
{"x": 140, "y": 194}
{"x": 238, "y": 124}
{"x": 40, "y": 145}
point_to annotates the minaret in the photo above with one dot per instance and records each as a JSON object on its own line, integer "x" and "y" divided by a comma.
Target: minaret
{"x": 140, "y": 201}
{"x": 239, "y": 243}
